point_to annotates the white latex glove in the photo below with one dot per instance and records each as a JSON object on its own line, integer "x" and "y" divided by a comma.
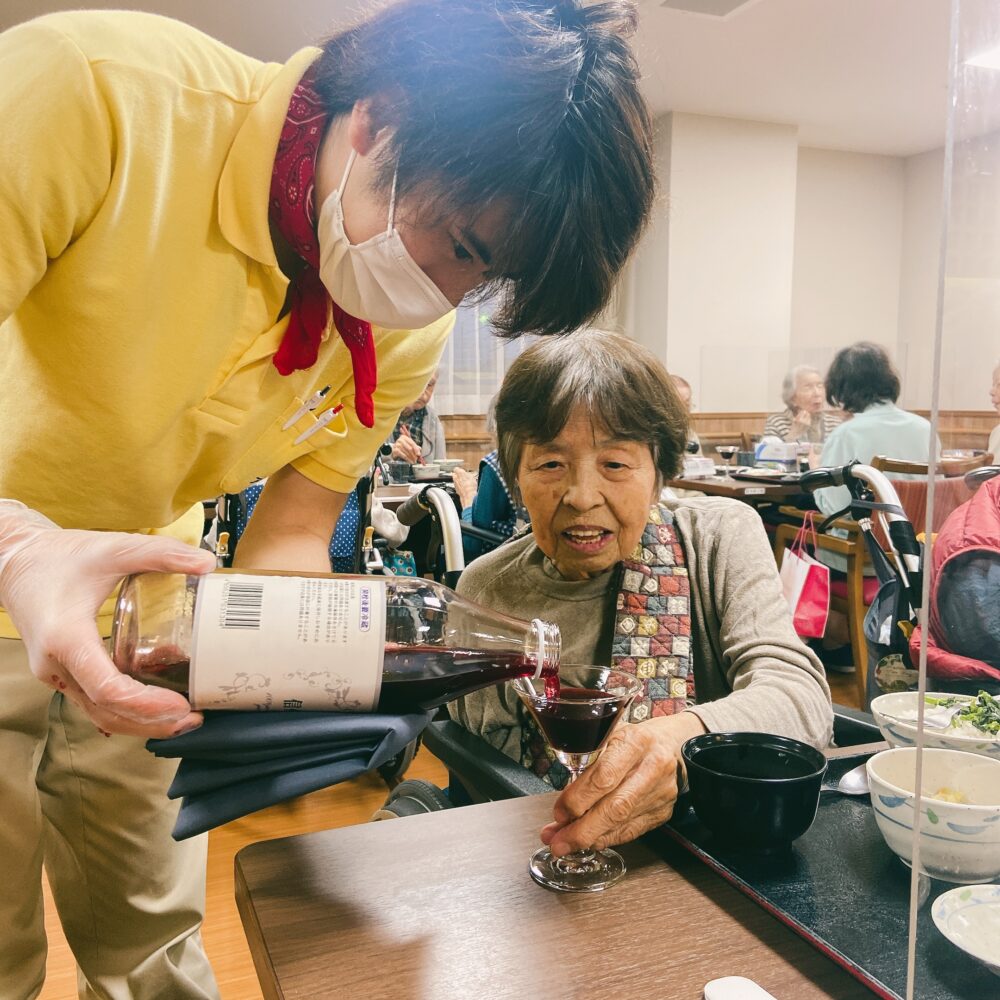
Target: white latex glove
{"x": 52, "y": 584}
{"x": 387, "y": 525}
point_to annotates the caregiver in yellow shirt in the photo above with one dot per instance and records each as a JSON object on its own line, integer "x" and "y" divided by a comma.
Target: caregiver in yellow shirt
{"x": 144, "y": 292}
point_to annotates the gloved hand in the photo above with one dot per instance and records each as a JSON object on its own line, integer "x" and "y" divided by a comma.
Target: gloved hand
{"x": 52, "y": 584}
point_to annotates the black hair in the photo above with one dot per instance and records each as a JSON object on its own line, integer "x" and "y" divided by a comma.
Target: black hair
{"x": 623, "y": 386}
{"x": 533, "y": 104}
{"x": 860, "y": 376}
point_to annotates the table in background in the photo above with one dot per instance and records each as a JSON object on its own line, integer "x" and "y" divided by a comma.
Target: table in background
{"x": 748, "y": 490}
{"x": 441, "y": 906}
{"x": 392, "y": 495}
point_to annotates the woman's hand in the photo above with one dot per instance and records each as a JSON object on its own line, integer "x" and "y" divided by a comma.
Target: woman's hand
{"x": 466, "y": 485}
{"x": 53, "y": 582}
{"x": 631, "y": 789}
{"x": 801, "y": 423}
{"x": 405, "y": 449}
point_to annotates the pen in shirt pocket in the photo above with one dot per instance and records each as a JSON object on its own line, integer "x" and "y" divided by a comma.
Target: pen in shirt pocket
{"x": 321, "y": 421}
{"x": 307, "y": 407}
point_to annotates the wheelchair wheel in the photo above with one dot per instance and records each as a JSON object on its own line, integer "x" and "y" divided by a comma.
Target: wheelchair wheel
{"x": 412, "y": 797}
{"x": 392, "y": 771}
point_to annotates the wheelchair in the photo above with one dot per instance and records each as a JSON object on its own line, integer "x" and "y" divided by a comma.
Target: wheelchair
{"x": 478, "y": 772}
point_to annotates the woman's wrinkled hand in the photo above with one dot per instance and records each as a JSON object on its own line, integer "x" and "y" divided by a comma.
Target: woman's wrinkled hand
{"x": 466, "y": 485}
{"x": 631, "y": 788}
{"x": 52, "y": 584}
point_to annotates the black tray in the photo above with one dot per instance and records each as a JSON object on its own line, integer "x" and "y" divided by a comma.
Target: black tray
{"x": 845, "y": 892}
{"x": 776, "y": 477}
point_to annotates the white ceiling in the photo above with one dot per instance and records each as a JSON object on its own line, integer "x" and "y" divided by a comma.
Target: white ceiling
{"x": 863, "y": 75}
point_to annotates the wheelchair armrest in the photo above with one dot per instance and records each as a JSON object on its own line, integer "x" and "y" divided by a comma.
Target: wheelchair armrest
{"x": 852, "y": 727}
{"x": 483, "y": 534}
{"x": 487, "y": 774}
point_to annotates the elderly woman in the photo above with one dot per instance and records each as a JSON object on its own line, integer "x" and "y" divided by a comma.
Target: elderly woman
{"x": 803, "y": 418}
{"x": 685, "y": 594}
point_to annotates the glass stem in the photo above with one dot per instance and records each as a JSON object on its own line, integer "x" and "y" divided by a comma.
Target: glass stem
{"x": 576, "y": 859}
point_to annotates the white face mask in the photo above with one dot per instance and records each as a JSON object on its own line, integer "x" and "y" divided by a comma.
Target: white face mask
{"x": 376, "y": 280}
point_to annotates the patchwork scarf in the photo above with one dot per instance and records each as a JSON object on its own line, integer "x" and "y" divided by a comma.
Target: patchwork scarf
{"x": 292, "y": 212}
{"x": 649, "y": 637}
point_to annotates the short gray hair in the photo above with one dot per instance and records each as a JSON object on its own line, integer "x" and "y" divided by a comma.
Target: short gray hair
{"x": 791, "y": 384}
{"x": 622, "y": 385}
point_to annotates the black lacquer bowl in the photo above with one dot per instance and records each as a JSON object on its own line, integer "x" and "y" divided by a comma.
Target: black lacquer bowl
{"x": 754, "y": 790}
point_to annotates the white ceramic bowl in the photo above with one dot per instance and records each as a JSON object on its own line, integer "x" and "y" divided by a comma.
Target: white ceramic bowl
{"x": 969, "y": 917}
{"x": 449, "y": 464}
{"x": 423, "y": 473}
{"x": 902, "y": 732}
{"x": 959, "y": 841}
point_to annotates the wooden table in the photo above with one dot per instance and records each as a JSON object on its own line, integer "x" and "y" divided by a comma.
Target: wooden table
{"x": 746, "y": 490}
{"x": 441, "y": 906}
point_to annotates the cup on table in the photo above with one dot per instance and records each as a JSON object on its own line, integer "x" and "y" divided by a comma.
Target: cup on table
{"x": 399, "y": 472}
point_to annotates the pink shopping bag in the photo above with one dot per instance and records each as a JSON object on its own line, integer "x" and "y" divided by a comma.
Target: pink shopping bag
{"x": 806, "y": 583}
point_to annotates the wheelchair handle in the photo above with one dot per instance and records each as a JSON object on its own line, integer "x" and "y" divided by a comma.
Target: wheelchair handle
{"x": 412, "y": 510}
{"x": 817, "y": 479}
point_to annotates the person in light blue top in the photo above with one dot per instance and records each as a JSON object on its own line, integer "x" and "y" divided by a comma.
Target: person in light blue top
{"x": 862, "y": 381}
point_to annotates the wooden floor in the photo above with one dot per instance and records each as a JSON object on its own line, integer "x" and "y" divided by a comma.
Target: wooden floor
{"x": 343, "y": 805}
{"x": 352, "y": 802}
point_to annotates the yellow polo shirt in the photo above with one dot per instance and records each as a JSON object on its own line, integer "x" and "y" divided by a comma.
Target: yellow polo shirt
{"x": 139, "y": 289}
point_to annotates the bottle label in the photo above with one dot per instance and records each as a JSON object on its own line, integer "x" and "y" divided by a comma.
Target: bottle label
{"x": 287, "y": 643}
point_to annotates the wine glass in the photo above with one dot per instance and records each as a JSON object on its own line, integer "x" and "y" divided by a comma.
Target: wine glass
{"x": 576, "y": 722}
{"x": 727, "y": 451}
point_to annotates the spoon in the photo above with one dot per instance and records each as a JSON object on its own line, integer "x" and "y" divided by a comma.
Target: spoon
{"x": 853, "y": 782}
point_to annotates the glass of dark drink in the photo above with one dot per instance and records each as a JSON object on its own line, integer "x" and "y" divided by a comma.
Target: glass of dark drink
{"x": 727, "y": 451}
{"x": 577, "y": 712}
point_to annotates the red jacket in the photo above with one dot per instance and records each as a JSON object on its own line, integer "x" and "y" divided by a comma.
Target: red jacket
{"x": 973, "y": 527}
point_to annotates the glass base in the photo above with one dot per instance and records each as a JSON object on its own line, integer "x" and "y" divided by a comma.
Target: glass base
{"x": 583, "y": 871}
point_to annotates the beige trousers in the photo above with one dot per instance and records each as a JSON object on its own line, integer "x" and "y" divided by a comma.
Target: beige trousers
{"x": 94, "y": 810}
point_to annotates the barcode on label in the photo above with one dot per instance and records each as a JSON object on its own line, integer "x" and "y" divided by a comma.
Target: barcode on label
{"x": 241, "y": 605}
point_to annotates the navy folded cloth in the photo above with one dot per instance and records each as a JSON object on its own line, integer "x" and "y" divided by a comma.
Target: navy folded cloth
{"x": 239, "y": 762}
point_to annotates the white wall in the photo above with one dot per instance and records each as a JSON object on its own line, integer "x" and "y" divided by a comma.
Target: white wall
{"x": 712, "y": 282}
{"x": 763, "y": 254}
{"x": 848, "y": 239}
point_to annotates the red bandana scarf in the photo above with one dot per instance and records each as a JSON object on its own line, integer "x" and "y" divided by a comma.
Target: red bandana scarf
{"x": 293, "y": 213}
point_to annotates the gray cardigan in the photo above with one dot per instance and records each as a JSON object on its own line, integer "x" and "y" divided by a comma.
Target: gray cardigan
{"x": 752, "y": 672}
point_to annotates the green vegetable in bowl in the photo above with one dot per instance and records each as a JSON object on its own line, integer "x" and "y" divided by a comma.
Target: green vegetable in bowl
{"x": 983, "y": 712}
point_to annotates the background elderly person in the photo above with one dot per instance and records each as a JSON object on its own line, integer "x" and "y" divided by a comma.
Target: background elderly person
{"x": 588, "y": 426}
{"x": 419, "y": 434}
{"x": 803, "y": 418}
{"x": 683, "y": 387}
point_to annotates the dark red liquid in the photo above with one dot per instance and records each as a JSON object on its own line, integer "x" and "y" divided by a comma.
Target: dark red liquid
{"x": 575, "y": 724}
{"x": 413, "y": 677}
{"x": 428, "y": 676}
